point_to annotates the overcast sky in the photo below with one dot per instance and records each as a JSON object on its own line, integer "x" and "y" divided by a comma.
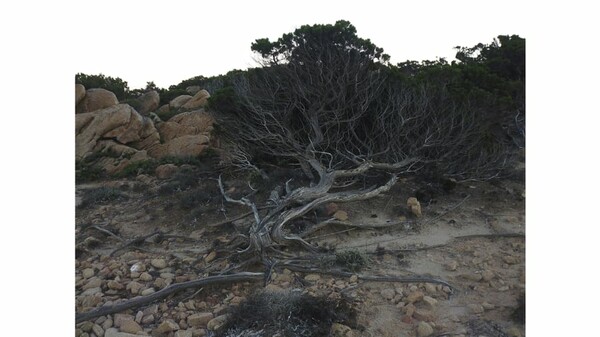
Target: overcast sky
{"x": 167, "y": 42}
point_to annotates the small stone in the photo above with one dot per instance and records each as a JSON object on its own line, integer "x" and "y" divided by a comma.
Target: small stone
{"x": 210, "y": 257}
{"x": 414, "y": 206}
{"x": 388, "y": 294}
{"x": 353, "y": 279}
{"x": 139, "y": 316}
{"x": 312, "y": 277}
{"x": 184, "y": 333}
{"x": 430, "y": 288}
{"x": 200, "y": 319}
{"x": 137, "y": 267}
{"x": 508, "y": 259}
{"x": 160, "y": 283}
{"x": 112, "y": 332}
{"x": 488, "y": 306}
{"x": 153, "y": 309}
{"x": 107, "y": 324}
{"x": 340, "y": 330}
{"x": 86, "y": 326}
{"x": 423, "y": 315}
{"x": 159, "y": 263}
{"x": 121, "y": 318}
{"x": 341, "y": 215}
{"x": 92, "y": 292}
{"x": 198, "y": 332}
{"x": 167, "y": 326}
{"x": 424, "y": 329}
{"x": 406, "y": 319}
{"x": 97, "y": 329}
{"x": 452, "y": 265}
{"x": 130, "y": 326}
{"x": 514, "y": 332}
{"x": 216, "y": 322}
{"x": 93, "y": 282}
{"x": 88, "y": 272}
{"x": 115, "y": 285}
{"x": 237, "y": 300}
{"x": 145, "y": 277}
{"x": 148, "y": 319}
{"x": 487, "y": 275}
{"x": 415, "y": 296}
{"x": 134, "y": 287}
{"x": 476, "y": 308}
{"x": 432, "y": 302}
{"x": 148, "y": 291}
{"x": 167, "y": 275}
{"x": 409, "y": 309}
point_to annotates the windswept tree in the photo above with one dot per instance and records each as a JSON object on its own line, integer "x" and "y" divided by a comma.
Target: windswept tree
{"x": 328, "y": 101}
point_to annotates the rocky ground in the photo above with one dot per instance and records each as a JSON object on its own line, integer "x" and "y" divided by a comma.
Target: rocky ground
{"x": 472, "y": 238}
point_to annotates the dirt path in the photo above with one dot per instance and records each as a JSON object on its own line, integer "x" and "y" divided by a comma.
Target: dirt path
{"x": 487, "y": 270}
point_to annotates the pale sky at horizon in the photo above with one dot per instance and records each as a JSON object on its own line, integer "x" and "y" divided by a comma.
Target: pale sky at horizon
{"x": 168, "y": 43}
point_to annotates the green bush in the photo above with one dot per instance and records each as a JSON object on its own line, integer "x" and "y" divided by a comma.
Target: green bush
{"x": 101, "y": 195}
{"x": 115, "y": 85}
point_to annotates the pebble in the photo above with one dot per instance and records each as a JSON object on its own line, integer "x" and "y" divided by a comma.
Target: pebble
{"x": 88, "y": 272}
{"x": 112, "y": 332}
{"x": 432, "y": 302}
{"x": 341, "y": 215}
{"x": 423, "y": 315}
{"x": 476, "y": 308}
{"x": 112, "y": 284}
{"x": 153, "y": 309}
{"x": 130, "y": 326}
{"x": 340, "y": 330}
{"x": 148, "y": 291}
{"x": 353, "y": 279}
{"x": 430, "y": 288}
{"x": 145, "y": 277}
{"x": 86, "y": 326}
{"x": 97, "y": 329}
{"x": 424, "y": 329}
{"x": 134, "y": 287}
{"x": 210, "y": 257}
{"x": 107, "y": 324}
{"x": 388, "y": 294}
{"x": 216, "y": 322}
{"x": 121, "y": 318}
{"x": 198, "y": 332}
{"x": 92, "y": 291}
{"x": 137, "y": 267}
{"x": 487, "y": 275}
{"x": 93, "y": 282}
{"x": 184, "y": 333}
{"x": 488, "y": 306}
{"x": 148, "y": 319}
{"x": 312, "y": 277}
{"x": 452, "y": 265}
{"x": 200, "y": 319}
{"x": 514, "y": 332}
{"x": 158, "y": 263}
{"x": 415, "y": 296}
{"x": 166, "y": 327}
{"x": 139, "y": 316}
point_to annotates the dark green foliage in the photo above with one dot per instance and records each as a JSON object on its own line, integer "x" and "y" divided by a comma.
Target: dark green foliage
{"x": 115, "y": 85}
{"x": 290, "y": 314}
{"x": 85, "y": 171}
{"x": 102, "y": 195}
{"x": 351, "y": 260}
{"x": 139, "y": 167}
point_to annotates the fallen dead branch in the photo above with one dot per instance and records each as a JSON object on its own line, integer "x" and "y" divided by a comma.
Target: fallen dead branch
{"x": 137, "y": 241}
{"x": 139, "y": 301}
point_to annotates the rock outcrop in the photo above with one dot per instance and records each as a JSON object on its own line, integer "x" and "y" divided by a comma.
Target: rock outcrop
{"x": 148, "y": 102}
{"x": 198, "y": 101}
{"x": 120, "y": 124}
{"x": 179, "y": 101}
{"x": 185, "y": 134}
{"x": 96, "y": 99}
{"x": 79, "y": 93}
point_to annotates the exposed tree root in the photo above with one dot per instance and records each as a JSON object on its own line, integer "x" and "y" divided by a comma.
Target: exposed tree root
{"x": 139, "y": 301}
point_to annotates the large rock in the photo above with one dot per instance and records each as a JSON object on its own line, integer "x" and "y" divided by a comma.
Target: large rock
{"x": 193, "y": 89}
{"x": 178, "y": 101}
{"x": 96, "y": 99}
{"x": 120, "y": 123}
{"x": 79, "y": 93}
{"x": 185, "y": 134}
{"x": 148, "y": 102}
{"x": 198, "y": 101}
